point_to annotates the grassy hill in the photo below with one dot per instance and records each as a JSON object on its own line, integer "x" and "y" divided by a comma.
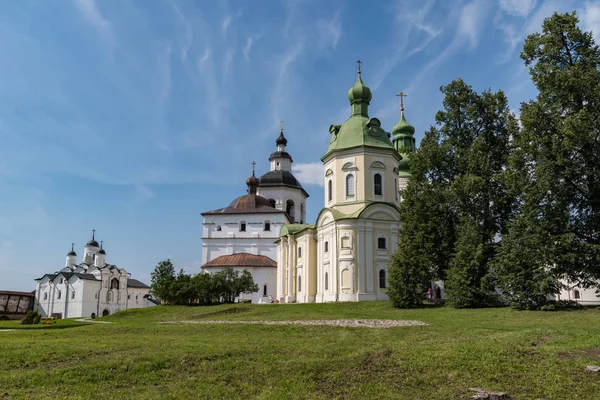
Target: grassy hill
{"x": 529, "y": 355}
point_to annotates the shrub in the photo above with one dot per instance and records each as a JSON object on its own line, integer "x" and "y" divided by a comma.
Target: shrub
{"x": 31, "y": 318}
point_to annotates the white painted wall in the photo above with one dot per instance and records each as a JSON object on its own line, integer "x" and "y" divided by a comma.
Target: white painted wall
{"x": 221, "y": 235}
{"x": 262, "y": 276}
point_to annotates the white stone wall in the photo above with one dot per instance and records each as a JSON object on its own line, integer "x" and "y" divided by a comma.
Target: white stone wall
{"x": 221, "y": 235}
{"x": 281, "y": 195}
{"x": 262, "y": 276}
{"x": 586, "y": 296}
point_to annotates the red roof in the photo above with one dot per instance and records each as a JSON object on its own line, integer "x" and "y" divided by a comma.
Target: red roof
{"x": 241, "y": 260}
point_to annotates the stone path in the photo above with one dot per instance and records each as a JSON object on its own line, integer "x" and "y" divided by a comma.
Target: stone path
{"x": 6, "y": 330}
{"x": 93, "y": 321}
{"x": 365, "y": 323}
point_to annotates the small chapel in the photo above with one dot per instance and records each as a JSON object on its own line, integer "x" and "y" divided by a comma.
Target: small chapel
{"x": 90, "y": 288}
{"x": 345, "y": 254}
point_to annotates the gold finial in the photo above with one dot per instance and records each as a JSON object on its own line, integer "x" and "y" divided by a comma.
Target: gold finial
{"x": 281, "y": 126}
{"x": 402, "y": 96}
{"x": 101, "y": 243}
{"x": 253, "y": 164}
{"x": 358, "y": 62}
{"x": 93, "y": 234}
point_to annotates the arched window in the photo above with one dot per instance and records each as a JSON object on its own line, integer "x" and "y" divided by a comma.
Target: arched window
{"x": 299, "y": 283}
{"x": 301, "y": 211}
{"x": 326, "y": 247}
{"x": 272, "y": 201}
{"x": 576, "y": 294}
{"x": 108, "y": 297}
{"x": 45, "y": 296}
{"x": 377, "y": 185}
{"x": 330, "y": 190}
{"x": 114, "y": 284}
{"x": 289, "y": 209}
{"x": 382, "y": 279}
{"x": 218, "y": 228}
{"x": 326, "y": 281}
{"x": 264, "y": 290}
{"x": 349, "y": 185}
{"x": 299, "y": 252}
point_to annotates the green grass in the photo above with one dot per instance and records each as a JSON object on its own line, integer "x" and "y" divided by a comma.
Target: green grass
{"x": 529, "y": 355}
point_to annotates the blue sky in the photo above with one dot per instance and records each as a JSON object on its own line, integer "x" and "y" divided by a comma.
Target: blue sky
{"x": 133, "y": 117}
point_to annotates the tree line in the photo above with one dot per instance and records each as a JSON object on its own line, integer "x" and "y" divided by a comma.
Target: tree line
{"x": 203, "y": 288}
{"x": 506, "y": 209}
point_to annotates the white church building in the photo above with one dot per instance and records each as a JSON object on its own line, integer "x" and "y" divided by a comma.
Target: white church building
{"x": 243, "y": 234}
{"x": 91, "y": 288}
{"x": 345, "y": 255}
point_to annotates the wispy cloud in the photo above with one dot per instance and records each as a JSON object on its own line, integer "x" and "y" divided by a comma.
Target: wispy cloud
{"x": 590, "y": 19}
{"x": 411, "y": 23}
{"x": 248, "y": 46}
{"x": 89, "y": 10}
{"x": 226, "y": 23}
{"x": 329, "y": 31}
{"x": 519, "y": 8}
{"x": 309, "y": 173}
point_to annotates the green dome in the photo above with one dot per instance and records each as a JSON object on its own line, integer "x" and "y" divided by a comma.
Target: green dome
{"x": 359, "y": 92}
{"x": 403, "y": 128}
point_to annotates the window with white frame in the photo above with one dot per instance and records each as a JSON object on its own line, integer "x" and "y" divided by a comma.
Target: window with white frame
{"x": 381, "y": 243}
{"x": 243, "y": 226}
{"x": 350, "y": 190}
{"x": 377, "y": 185}
{"x": 267, "y": 226}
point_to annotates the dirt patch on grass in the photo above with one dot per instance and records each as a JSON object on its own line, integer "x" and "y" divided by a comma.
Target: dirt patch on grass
{"x": 577, "y": 355}
{"x": 227, "y": 311}
{"x": 359, "y": 323}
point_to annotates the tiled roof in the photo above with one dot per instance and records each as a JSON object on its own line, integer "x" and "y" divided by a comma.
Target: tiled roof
{"x": 241, "y": 260}
{"x": 136, "y": 283}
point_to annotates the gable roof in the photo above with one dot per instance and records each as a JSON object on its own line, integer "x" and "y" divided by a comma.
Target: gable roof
{"x": 241, "y": 260}
{"x": 137, "y": 284}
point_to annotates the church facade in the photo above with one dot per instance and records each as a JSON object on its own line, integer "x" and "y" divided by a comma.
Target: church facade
{"x": 89, "y": 289}
{"x": 345, "y": 255}
{"x": 243, "y": 235}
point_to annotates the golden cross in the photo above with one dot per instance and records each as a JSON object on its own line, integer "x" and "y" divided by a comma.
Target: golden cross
{"x": 281, "y": 126}
{"x": 358, "y": 62}
{"x": 253, "y": 164}
{"x": 402, "y": 96}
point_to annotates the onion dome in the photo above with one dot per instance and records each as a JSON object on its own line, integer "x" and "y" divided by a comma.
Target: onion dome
{"x": 359, "y": 93}
{"x": 93, "y": 242}
{"x": 281, "y": 140}
{"x": 252, "y": 183}
{"x": 101, "y": 251}
{"x": 404, "y": 140}
{"x": 403, "y": 128}
{"x": 359, "y": 130}
{"x": 72, "y": 252}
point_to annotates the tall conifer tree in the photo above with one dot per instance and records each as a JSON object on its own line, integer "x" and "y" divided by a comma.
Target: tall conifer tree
{"x": 556, "y": 167}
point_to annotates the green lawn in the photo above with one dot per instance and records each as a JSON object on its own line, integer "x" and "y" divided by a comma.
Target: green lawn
{"x": 529, "y": 355}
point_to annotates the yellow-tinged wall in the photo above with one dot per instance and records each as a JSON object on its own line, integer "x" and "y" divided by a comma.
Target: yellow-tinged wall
{"x": 360, "y": 163}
